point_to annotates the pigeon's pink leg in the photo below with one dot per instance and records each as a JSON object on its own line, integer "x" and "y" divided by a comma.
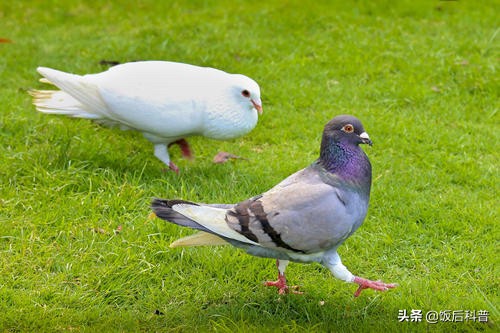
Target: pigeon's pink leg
{"x": 375, "y": 285}
{"x": 283, "y": 288}
{"x": 161, "y": 153}
{"x": 185, "y": 149}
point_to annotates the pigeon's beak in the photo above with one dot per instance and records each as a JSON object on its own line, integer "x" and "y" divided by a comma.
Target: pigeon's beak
{"x": 365, "y": 138}
{"x": 257, "y": 104}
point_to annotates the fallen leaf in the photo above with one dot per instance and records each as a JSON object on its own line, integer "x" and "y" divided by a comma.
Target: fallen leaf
{"x": 223, "y": 157}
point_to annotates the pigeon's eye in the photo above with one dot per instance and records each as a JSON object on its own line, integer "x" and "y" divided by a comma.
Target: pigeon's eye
{"x": 245, "y": 93}
{"x": 348, "y": 128}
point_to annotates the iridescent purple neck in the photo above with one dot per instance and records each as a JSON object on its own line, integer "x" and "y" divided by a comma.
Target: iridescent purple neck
{"x": 347, "y": 161}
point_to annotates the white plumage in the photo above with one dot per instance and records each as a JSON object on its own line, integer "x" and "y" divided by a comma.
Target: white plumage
{"x": 166, "y": 101}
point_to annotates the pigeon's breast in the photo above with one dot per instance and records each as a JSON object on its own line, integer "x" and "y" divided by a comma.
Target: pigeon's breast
{"x": 228, "y": 121}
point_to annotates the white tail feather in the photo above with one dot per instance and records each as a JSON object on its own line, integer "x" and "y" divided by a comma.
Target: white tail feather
{"x": 59, "y": 102}
{"x": 199, "y": 239}
{"x": 77, "y": 98}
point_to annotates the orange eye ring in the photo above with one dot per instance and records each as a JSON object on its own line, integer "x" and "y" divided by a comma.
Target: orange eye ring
{"x": 348, "y": 128}
{"x": 245, "y": 93}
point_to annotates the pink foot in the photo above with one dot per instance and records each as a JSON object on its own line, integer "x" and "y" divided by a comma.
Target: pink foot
{"x": 185, "y": 149}
{"x": 172, "y": 167}
{"x": 375, "y": 285}
{"x": 283, "y": 288}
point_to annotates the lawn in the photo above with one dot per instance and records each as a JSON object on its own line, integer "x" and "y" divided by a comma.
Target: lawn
{"x": 421, "y": 75}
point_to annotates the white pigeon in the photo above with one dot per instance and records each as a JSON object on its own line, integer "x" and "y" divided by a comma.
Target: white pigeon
{"x": 166, "y": 101}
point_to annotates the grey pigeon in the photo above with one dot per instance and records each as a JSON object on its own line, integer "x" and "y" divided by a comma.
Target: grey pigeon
{"x": 304, "y": 218}
{"x": 166, "y": 101}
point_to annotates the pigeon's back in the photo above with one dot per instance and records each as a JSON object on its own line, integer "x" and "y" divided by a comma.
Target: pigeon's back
{"x": 159, "y": 97}
{"x": 159, "y": 81}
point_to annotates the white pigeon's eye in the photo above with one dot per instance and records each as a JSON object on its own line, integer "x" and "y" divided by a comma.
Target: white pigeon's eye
{"x": 348, "y": 128}
{"x": 245, "y": 93}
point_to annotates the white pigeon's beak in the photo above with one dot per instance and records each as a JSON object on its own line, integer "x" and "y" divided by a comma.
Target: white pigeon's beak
{"x": 365, "y": 138}
{"x": 257, "y": 104}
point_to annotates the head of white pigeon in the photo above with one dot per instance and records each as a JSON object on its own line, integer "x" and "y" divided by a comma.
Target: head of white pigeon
{"x": 235, "y": 109}
{"x": 249, "y": 90}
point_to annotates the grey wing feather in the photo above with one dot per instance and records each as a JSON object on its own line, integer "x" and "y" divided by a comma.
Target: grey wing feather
{"x": 163, "y": 209}
{"x": 302, "y": 214}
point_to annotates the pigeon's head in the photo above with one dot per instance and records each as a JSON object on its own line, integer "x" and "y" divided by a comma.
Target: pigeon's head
{"x": 340, "y": 152}
{"x": 346, "y": 129}
{"x": 247, "y": 92}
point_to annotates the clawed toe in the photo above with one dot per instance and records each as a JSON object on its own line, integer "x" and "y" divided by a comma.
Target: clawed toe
{"x": 283, "y": 288}
{"x": 369, "y": 284}
{"x": 173, "y": 167}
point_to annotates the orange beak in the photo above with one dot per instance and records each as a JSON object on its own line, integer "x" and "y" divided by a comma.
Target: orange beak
{"x": 257, "y": 105}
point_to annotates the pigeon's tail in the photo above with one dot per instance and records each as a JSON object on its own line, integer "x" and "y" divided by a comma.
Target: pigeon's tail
{"x": 77, "y": 97}
{"x": 208, "y": 218}
{"x": 59, "y": 102}
{"x": 199, "y": 239}
{"x": 163, "y": 209}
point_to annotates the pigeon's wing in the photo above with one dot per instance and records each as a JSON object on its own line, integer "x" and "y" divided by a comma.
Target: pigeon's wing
{"x": 307, "y": 213}
{"x": 156, "y": 97}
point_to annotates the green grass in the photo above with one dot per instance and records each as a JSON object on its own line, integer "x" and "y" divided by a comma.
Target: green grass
{"x": 422, "y": 77}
